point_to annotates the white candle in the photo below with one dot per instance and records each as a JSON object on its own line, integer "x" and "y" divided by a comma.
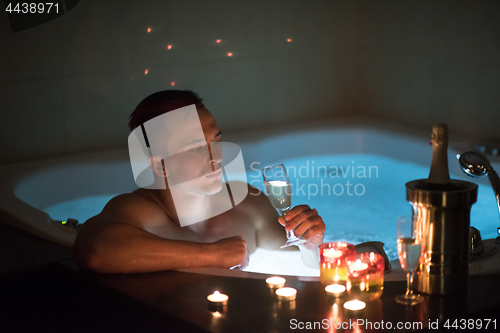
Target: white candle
{"x": 286, "y": 294}
{"x": 354, "y": 305}
{"x": 332, "y": 253}
{"x": 335, "y": 289}
{"x": 275, "y": 282}
{"x": 358, "y": 266}
{"x": 217, "y": 298}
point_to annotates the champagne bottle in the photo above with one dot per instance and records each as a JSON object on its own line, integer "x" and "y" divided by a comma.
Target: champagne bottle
{"x": 439, "y": 176}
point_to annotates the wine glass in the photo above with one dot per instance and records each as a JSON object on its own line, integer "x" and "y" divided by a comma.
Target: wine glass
{"x": 410, "y": 237}
{"x": 279, "y": 192}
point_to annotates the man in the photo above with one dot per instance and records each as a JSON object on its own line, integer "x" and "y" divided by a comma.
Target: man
{"x": 141, "y": 231}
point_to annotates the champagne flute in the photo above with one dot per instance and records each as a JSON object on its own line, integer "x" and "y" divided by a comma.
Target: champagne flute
{"x": 279, "y": 192}
{"x": 410, "y": 237}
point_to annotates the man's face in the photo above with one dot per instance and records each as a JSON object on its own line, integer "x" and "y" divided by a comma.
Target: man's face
{"x": 199, "y": 169}
{"x": 181, "y": 150}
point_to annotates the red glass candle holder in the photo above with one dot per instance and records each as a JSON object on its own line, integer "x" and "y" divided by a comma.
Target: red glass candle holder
{"x": 333, "y": 262}
{"x": 365, "y": 276}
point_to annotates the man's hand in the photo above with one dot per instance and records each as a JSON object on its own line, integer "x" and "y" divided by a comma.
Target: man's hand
{"x": 231, "y": 252}
{"x": 301, "y": 219}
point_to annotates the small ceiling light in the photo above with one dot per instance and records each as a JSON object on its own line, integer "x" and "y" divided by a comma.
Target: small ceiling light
{"x": 149, "y": 29}
{"x": 229, "y": 54}
{"x": 146, "y": 71}
{"x": 289, "y": 40}
{"x": 169, "y": 47}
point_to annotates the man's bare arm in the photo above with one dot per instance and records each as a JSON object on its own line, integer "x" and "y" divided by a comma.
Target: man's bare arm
{"x": 116, "y": 242}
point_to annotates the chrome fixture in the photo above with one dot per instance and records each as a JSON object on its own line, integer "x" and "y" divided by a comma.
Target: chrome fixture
{"x": 476, "y": 243}
{"x": 477, "y": 165}
{"x": 478, "y": 250}
{"x": 445, "y": 215}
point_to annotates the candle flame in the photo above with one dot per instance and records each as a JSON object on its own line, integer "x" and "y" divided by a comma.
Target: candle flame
{"x": 216, "y": 292}
{"x": 355, "y": 305}
{"x": 286, "y": 291}
{"x": 335, "y": 288}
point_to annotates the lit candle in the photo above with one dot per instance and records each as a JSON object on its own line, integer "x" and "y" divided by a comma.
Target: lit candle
{"x": 335, "y": 289}
{"x": 286, "y": 294}
{"x": 365, "y": 277}
{"x": 217, "y": 298}
{"x": 354, "y": 305}
{"x": 332, "y": 253}
{"x": 275, "y": 282}
{"x": 358, "y": 266}
{"x": 333, "y": 262}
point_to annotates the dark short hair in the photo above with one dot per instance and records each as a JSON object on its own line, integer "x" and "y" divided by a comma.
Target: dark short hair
{"x": 162, "y": 102}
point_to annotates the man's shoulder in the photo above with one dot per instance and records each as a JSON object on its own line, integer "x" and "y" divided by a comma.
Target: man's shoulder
{"x": 131, "y": 200}
{"x": 256, "y": 195}
{"x": 133, "y": 207}
{"x": 255, "y": 200}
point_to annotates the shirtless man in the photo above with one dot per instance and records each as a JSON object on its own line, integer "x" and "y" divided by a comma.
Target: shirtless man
{"x": 140, "y": 231}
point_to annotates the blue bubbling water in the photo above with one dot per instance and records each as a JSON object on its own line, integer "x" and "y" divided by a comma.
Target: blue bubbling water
{"x": 364, "y": 205}
{"x": 356, "y": 207}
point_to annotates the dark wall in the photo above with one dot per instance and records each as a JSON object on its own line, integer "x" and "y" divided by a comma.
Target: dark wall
{"x": 69, "y": 85}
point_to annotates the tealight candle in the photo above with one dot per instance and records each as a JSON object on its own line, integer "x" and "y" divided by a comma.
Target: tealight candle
{"x": 335, "y": 289}
{"x": 333, "y": 262}
{"x": 286, "y": 294}
{"x": 358, "y": 266}
{"x": 275, "y": 282}
{"x": 332, "y": 253}
{"x": 365, "y": 276}
{"x": 217, "y": 298}
{"x": 354, "y": 305}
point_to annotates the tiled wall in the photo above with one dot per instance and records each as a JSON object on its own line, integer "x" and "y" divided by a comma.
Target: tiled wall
{"x": 69, "y": 85}
{"x": 421, "y": 62}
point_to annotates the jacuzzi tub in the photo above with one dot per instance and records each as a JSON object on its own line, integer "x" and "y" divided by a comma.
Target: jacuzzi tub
{"x": 30, "y": 190}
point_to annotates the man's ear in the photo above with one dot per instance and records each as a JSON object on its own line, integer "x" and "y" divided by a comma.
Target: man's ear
{"x": 158, "y": 166}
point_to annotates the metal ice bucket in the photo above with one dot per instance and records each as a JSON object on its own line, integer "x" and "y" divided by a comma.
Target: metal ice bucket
{"x": 445, "y": 214}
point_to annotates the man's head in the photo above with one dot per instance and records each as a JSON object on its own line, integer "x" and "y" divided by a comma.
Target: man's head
{"x": 175, "y": 145}
{"x": 182, "y": 139}
{"x": 162, "y": 102}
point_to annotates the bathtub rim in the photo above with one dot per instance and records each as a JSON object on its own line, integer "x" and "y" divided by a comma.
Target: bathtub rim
{"x": 12, "y": 174}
